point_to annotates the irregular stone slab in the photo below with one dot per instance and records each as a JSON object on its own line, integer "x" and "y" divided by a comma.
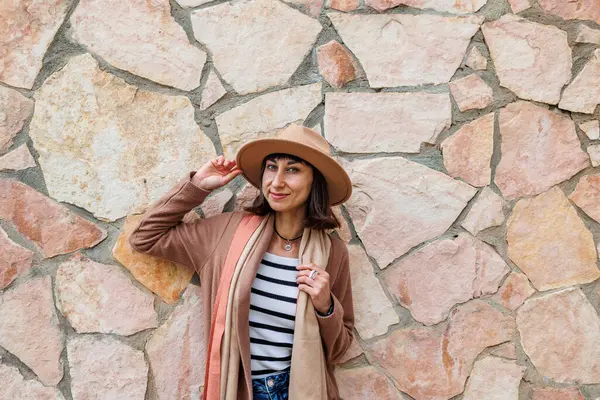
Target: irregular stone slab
{"x": 586, "y": 195}
{"x": 265, "y": 115}
{"x": 140, "y": 37}
{"x": 468, "y": 152}
{"x": 519, "y": 5}
{"x": 533, "y": 60}
{"x": 246, "y": 37}
{"x": 487, "y": 211}
{"x": 548, "y": 241}
{"x": 457, "y": 271}
{"x": 27, "y": 30}
{"x": 451, "y": 6}
{"x": 365, "y": 383}
{"x": 343, "y": 231}
{"x": 106, "y": 368}
{"x": 53, "y": 228}
{"x": 514, "y": 291}
{"x": 215, "y": 204}
{"x": 14, "y": 387}
{"x": 177, "y": 350}
{"x": 506, "y": 350}
{"x": 335, "y": 63}
{"x": 585, "y": 34}
{"x": 18, "y": 159}
{"x": 571, "y": 393}
{"x": 213, "y": 91}
{"x": 373, "y": 311}
{"x": 389, "y": 215}
{"x": 311, "y": 7}
{"x": 591, "y": 129}
{"x": 15, "y": 260}
{"x": 15, "y": 109}
{"x": 192, "y": 3}
{"x": 109, "y": 147}
{"x": 471, "y": 92}
{"x": 353, "y": 351}
{"x": 97, "y": 297}
{"x": 402, "y": 50}
{"x": 163, "y": 277}
{"x": 494, "y": 378}
{"x": 385, "y": 122}
{"x": 344, "y": 5}
{"x": 582, "y": 9}
{"x": 475, "y": 60}
{"x": 434, "y": 362}
{"x": 29, "y": 328}
{"x": 560, "y": 333}
{"x": 529, "y": 129}
{"x": 583, "y": 94}
{"x": 245, "y": 197}
{"x": 594, "y": 153}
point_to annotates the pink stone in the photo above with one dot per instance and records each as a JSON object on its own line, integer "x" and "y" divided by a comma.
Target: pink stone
{"x": 213, "y": 90}
{"x": 514, "y": 291}
{"x": 471, "y": 92}
{"x": 245, "y": 197}
{"x": 457, "y": 271}
{"x": 468, "y": 152}
{"x": 487, "y": 211}
{"x": 51, "y": 226}
{"x": 519, "y": 5}
{"x": 528, "y": 129}
{"x": 29, "y": 328}
{"x": 583, "y": 93}
{"x": 335, "y": 63}
{"x": 14, "y": 387}
{"x": 15, "y": 260}
{"x": 215, "y": 204}
{"x": 494, "y": 378}
{"x": 15, "y": 110}
{"x": 365, "y": 383}
{"x": 569, "y": 393}
{"x": 459, "y": 7}
{"x": 312, "y": 7}
{"x": 548, "y": 241}
{"x": 18, "y": 159}
{"x": 580, "y": 9}
{"x": 586, "y": 195}
{"x": 594, "y": 153}
{"x": 505, "y": 350}
{"x": 344, "y": 5}
{"x": 476, "y": 60}
{"x": 343, "y": 231}
{"x": 353, "y": 351}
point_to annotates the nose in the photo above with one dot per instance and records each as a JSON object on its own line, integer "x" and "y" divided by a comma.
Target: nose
{"x": 278, "y": 178}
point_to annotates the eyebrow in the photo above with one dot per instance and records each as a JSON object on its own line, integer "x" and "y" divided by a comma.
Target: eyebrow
{"x": 289, "y": 162}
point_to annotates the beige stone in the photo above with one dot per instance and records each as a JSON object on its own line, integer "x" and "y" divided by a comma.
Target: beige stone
{"x": 29, "y": 328}
{"x": 335, "y": 64}
{"x": 471, "y": 92}
{"x": 245, "y": 197}
{"x": 192, "y": 3}
{"x": 163, "y": 277}
{"x": 109, "y": 147}
{"x": 560, "y": 333}
{"x": 475, "y": 60}
{"x": 15, "y": 109}
{"x": 505, "y": 350}
{"x": 494, "y": 378}
{"x": 213, "y": 90}
{"x": 594, "y": 154}
{"x": 581, "y": 9}
{"x": 457, "y": 271}
{"x": 403, "y": 49}
{"x": 26, "y": 30}
{"x": 215, "y": 203}
{"x": 550, "y": 393}
{"x": 487, "y": 211}
{"x": 344, "y": 5}
{"x": 392, "y": 200}
{"x": 519, "y": 5}
{"x": 583, "y": 94}
{"x": 343, "y": 231}
{"x": 528, "y": 129}
{"x": 548, "y": 241}
{"x": 385, "y": 122}
{"x": 586, "y": 195}
{"x": 468, "y": 152}
{"x": 53, "y": 228}
{"x": 585, "y": 34}
{"x": 365, "y": 383}
{"x": 531, "y": 59}
{"x": 591, "y": 129}
{"x": 18, "y": 159}
{"x": 514, "y": 291}
{"x": 452, "y": 6}
{"x": 15, "y": 260}
{"x": 255, "y": 44}
{"x": 14, "y": 387}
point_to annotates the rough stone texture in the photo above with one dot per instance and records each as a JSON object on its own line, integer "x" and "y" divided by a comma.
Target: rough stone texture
{"x": 548, "y": 241}
{"x": 105, "y": 368}
{"x": 344, "y": 5}
{"x": 255, "y": 44}
{"x": 192, "y": 3}
{"x": 312, "y": 7}
{"x": 14, "y": 387}
{"x": 570, "y": 393}
{"x": 26, "y": 30}
{"x": 215, "y": 204}
{"x": 15, "y": 109}
{"x": 177, "y": 350}
{"x": 433, "y": 363}
{"x": 405, "y": 50}
{"x": 586, "y": 195}
{"x": 245, "y": 197}
{"x": 519, "y": 5}
{"x": 385, "y": 122}
{"x": 514, "y": 291}
{"x": 452, "y": 6}
{"x": 15, "y": 260}
{"x": 457, "y": 271}
{"x": 162, "y": 277}
{"x": 591, "y": 129}
{"x": 581, "y": 9}
{"x": 353, "y": 351}
{"x": 560, "y": 333}
{"x": 475, "y": 60}
{"x": 585, "y": 34}
{"x": 468, "y": 152}
{"x": 86, "y": 129}
{"x": 53, "y": 228}
{"x": 471, "y": 92}
{"x": 505, "y": 350}
{"x": 18, "y": 159}
{"x": 372, "y": 310}
{"x": 529, "y": 129}
{"x": 140, "y": 37}
{"x": 494, "y": 378}
{"x": 387, "y": 191}
{"x": 29, "y": 328}
{"x": 583, "y": 94}
{"x": 213, "y": 90}
{"x": 97, "y": 297}
{"x": 594, "y": 153}
{"x": 487, "y": 211}
{"x": 335, "y": 64}
{"x": 343, "y": 231}
{"x": 265, "y": 115}
{"x": 365, "y": 383}
{"x": 531, "y": 59}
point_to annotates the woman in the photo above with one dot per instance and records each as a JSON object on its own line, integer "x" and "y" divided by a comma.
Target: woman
{"x": 270, "y": 276}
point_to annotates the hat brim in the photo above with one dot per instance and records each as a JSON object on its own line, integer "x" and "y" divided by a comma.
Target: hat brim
{"x": 250, "y": 157}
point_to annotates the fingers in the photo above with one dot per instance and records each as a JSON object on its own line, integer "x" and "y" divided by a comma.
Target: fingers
{"x": 312, "y": 292}
{"x": 229, "y": 177}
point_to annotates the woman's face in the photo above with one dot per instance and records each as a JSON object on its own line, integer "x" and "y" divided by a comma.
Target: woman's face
{"x": 286, "y": 184}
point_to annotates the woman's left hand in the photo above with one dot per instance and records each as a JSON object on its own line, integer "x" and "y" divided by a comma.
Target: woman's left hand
{"x": 317, "y": 288}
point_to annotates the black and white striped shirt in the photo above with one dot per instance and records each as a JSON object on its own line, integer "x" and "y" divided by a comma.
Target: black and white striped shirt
{"x": 272, "y": 312}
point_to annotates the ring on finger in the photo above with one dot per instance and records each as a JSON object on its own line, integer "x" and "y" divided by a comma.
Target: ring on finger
{"x": 313, "y": 274}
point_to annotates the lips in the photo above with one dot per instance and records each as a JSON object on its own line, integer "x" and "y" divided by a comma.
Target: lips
{"x": 277, "y": 196}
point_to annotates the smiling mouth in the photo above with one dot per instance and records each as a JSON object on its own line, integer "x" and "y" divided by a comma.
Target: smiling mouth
{"x": 278, "y": 196}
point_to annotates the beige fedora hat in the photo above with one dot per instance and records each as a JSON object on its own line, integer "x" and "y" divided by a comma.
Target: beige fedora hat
{"x": 301, "y": 142}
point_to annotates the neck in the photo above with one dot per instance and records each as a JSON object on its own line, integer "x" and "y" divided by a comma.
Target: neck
{"x": 290, "y": 224}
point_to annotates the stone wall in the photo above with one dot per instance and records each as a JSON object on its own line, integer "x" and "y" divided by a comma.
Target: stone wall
{"x": 469, "y": 128}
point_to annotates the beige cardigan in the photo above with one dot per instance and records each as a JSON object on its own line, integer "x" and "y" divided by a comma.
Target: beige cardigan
{"x": 203, "y": 245}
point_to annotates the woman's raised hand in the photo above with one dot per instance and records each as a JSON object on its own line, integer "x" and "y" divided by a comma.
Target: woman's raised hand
{"x": 216, "y": 173}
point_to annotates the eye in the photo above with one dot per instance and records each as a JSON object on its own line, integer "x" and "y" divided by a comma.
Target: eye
{"x": 271, "y": 167}
{"x": 292, "y": 169}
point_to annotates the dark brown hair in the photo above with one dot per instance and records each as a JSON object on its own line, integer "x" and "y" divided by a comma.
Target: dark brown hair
{"x": 318, "y": 209}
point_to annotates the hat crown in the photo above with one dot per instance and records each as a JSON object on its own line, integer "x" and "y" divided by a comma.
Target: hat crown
{"x": 306, "y": 136}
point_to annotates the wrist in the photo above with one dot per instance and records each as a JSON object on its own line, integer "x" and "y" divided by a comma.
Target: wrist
{"x": 197, "y": 181}
{"x": 328, "y": 311}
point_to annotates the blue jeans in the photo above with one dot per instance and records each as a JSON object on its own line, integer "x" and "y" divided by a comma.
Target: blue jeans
{"x": 272, "y": 387}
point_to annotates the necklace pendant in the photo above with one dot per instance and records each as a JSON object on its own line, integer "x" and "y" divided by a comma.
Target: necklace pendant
{"x": 288, "y": 247}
